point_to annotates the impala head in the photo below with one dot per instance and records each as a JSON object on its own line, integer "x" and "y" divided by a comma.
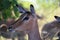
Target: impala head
{"x": 26, "y": 21}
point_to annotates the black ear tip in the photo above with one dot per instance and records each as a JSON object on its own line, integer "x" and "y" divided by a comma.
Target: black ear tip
{"x": 56, "y": 16}
{"x": 31, "y": 5}
{"x": 17, "y": 5}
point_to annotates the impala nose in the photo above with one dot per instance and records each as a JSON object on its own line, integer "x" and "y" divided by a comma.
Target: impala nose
{"x": 10, "y": 29}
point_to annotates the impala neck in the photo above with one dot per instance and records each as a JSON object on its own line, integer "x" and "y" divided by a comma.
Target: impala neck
{"x": 34, "y": 33}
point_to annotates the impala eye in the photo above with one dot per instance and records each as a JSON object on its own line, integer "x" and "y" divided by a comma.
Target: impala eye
{"x": 26, "y": 18}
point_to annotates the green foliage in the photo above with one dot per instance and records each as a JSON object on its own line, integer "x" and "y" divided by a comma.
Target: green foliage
{"x": 47, "y": 4}
{"x": 6, "y": 7}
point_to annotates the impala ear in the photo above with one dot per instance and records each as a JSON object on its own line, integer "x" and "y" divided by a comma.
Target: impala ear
{"x": 32, "y": 9}
{"x": 57, "y": 18}
{"x": 20, "y": 9}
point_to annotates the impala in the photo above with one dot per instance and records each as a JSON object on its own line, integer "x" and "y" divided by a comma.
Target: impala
{"x": 27, "y": 23}
{"x": 51, "y": 29}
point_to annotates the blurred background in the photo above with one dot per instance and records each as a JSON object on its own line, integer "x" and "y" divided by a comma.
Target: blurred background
{"x": 45, "y": 8}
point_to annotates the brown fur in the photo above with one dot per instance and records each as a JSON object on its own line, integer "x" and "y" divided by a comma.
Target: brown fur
{"x": 51, "y": 29}
{"x": 29, "y": 26}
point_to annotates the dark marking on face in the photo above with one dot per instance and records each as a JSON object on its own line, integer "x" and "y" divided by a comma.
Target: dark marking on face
{"x": 26, "y": 18}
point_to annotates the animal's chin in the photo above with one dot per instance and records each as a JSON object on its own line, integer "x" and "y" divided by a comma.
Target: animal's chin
{"x": 7, "y": 34}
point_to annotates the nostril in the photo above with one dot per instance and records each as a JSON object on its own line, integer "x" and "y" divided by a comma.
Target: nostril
{"x": 10, "y": 27}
